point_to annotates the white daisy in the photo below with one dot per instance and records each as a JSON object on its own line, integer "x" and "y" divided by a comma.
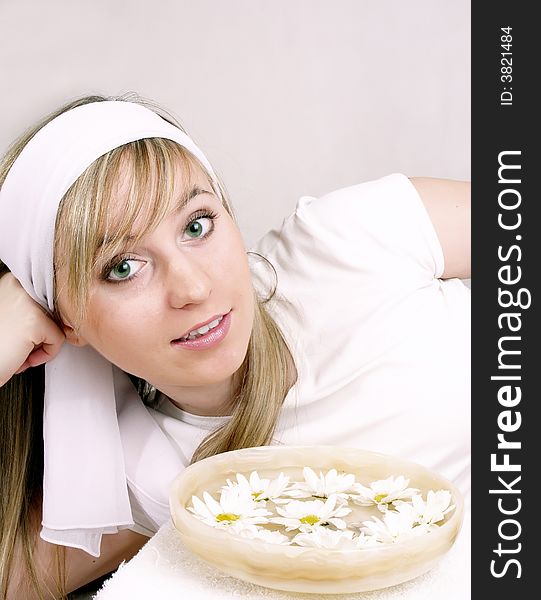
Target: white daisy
{"x": 305, "y": 516}
{"x": 323, "y": 537}
{"x": 235, "y": 507}
{"x": 265, "y": 535}
{"x": 396, "y": 526}
{"x": 382, "y": 492}
{"x": 261, "y": 489}
{"x": 434, "y": 509}
{"x": 324, "y": 486}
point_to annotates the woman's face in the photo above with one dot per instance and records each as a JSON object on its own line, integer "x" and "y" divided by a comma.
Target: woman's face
{"x": 189, "y": 271}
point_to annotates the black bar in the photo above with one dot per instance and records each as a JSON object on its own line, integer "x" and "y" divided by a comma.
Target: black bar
{"x": 505, "y": 128}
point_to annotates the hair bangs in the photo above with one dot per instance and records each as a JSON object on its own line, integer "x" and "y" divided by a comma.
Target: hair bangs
{"x": 120, "y": 198}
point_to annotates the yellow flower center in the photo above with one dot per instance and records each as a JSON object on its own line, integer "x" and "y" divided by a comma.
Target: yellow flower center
{"x": 379, "y": 498}
{"x": 309, "y": 520}
{"x": 227, "y": 517}
{"x": 255, "y": 495}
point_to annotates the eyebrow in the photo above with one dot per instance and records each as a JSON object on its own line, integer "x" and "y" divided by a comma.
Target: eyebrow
{"x": 185, "y": 199}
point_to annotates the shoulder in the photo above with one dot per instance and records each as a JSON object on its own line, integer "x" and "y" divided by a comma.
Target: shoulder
{"x": 378, "y": 227}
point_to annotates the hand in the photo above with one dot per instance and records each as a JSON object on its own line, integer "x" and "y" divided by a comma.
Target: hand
{"x": 28, "y": 336}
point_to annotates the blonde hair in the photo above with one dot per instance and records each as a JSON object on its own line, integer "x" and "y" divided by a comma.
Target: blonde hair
{"x": 83, "y": 221}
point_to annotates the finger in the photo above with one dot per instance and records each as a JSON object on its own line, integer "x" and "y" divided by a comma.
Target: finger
{"x": 37, "y": 357}
{"x": 51, "y": 340}
{"x": 22, "y": 368}
{"x": 44, "y": 353}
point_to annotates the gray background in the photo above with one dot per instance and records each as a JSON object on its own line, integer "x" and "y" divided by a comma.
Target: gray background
{"x": 287, "y": 98}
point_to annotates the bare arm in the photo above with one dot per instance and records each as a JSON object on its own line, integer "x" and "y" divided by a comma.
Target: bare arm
{"x": 81, "y": 568}
{"x": 448, "y": 203}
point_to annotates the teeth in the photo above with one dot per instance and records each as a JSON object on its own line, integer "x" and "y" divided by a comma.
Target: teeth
{"x": 213, "y": 324}
{"x": 201, "y": 330}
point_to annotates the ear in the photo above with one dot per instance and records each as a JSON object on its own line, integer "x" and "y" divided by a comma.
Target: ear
{"x": 72, "y": 337}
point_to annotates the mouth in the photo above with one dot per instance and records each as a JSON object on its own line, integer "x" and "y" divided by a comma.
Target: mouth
{"x": 205, "y": 334}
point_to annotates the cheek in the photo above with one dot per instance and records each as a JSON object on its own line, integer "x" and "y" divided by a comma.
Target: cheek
{"x": 233, "y": 279}
{"x": 232, "y": 255}
{"x": 122, "y": 338}
{"x": 114, "y": 326}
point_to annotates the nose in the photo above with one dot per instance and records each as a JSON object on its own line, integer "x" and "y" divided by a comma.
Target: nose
{"x": 186, "y": 282}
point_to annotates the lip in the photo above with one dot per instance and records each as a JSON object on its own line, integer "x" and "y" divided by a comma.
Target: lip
{"x": 210, "y": 339}
{"x": 202, "y": 324}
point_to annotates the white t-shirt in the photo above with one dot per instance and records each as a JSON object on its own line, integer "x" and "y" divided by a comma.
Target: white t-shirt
{"x": 381, "y": 343}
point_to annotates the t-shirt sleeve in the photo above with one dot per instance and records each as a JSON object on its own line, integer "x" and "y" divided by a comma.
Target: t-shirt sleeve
{"x": 381, "y": 226}
{"x": 344, "y": 260}
{"x": 374, "y": 234}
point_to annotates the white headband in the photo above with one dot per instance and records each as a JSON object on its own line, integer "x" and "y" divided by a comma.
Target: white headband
{"x": 89, "y": 442}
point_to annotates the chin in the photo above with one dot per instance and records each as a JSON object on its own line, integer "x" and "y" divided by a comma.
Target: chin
{"x": 225, "y": 366}
{"x": 223, "y": 370}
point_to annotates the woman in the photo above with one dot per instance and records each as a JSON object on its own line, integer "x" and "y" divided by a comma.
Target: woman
{"x": 123, "y": 239}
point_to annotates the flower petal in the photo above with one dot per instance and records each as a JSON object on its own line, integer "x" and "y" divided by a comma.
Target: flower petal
{"x": 214, "y": 507}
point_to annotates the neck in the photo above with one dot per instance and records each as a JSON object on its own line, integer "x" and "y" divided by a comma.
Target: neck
{"x": 213, "y": 400}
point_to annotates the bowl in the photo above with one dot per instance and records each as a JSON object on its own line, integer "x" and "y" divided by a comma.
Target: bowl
{"x": 307, "y": 569}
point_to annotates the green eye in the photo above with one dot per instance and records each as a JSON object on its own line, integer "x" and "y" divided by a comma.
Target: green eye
{"x": 200, "y": 225}
{"x": 124, "y": 270}
{"x": 194, "y": 229}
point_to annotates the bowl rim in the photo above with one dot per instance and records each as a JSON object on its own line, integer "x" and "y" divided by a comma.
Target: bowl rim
{"x": 192, "y": 527}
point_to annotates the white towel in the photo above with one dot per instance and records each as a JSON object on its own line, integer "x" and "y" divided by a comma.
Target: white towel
{"x": 165, "y": 569}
